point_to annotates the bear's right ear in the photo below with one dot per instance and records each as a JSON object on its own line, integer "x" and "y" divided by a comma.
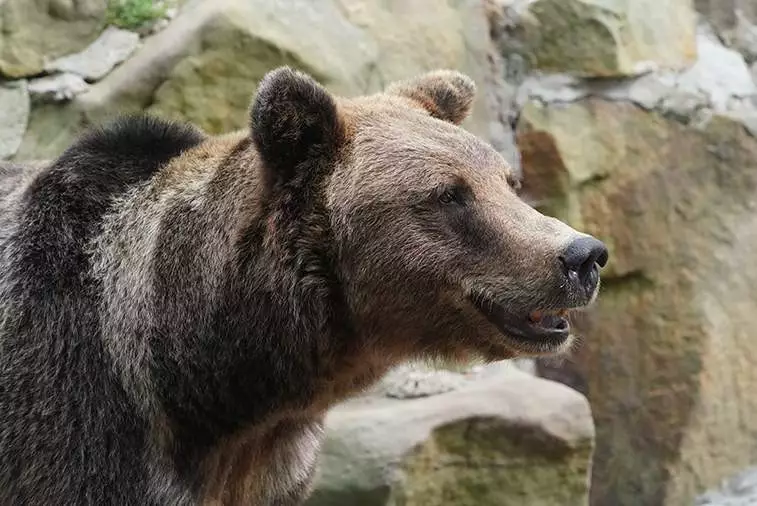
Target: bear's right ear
{"x": 446, "y": 94}
{"x": 294, "y": 121}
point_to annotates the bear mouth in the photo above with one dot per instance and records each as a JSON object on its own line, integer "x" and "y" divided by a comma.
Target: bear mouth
{"x": 542, "y": 328}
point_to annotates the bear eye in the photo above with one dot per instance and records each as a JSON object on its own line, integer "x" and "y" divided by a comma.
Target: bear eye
{"x": 450, "y": 194}
{"x": 449, "y": 197}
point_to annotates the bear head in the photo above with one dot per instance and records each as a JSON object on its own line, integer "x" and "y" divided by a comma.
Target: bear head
{"x": 436, "y": 254}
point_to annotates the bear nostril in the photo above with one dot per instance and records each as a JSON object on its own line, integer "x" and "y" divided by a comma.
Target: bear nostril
{"x": 582, "y": 254}
{"x": 604, "y": 255}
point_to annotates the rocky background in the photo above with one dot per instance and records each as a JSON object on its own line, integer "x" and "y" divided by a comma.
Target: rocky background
{"x": 634, "y": 120}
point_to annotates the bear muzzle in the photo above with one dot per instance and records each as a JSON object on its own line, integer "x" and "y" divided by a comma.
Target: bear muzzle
{"x": 548, "y": 328}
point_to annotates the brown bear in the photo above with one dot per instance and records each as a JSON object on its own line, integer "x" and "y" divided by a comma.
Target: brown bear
{"x": 178, "y": 311}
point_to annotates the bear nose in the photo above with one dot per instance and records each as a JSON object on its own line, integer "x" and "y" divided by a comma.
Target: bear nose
{"x": 582, "y": 254}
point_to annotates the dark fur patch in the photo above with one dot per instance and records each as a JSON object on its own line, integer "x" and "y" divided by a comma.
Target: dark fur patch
{"x": 68, "y": 431}
{"x": 129, "y": 149}
{"x": 258, "y": 344}
{"x": 293, "y": 121}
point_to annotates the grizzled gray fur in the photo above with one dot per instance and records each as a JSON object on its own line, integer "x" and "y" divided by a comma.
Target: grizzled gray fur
{"x": 178, "y": 311}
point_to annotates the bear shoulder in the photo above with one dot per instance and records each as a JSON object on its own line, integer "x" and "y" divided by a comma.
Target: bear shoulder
{"x": 128, "y": 149}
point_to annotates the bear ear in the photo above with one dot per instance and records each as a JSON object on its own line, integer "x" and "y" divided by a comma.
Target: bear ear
{"x": 293, "y": 121}
{"x": 446, "y": 94}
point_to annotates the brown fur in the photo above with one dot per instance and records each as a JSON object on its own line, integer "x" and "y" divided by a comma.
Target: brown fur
{"x": 390, "y": 151}
{"x": 245, "y": 284}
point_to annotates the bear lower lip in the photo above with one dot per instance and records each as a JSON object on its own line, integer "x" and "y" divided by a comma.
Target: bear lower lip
{"x": 553, "y": 321}
{"x": 539, "y": 326}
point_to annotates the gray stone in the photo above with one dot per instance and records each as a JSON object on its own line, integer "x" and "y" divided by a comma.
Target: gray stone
{"x": 720, "y": 73}
{"x": 676, "y": 205}
{"x": 683, "y": 105}
{"x": 212, "y": 85}
{"x": 650, "y": 90}
{"x": 52, "y": 127}
{"x": 551, "y": 88}
{"x": 57, "y": 88}
{"x": 719, "y": 81}
{"x": 747, "y": 117}
{"x": 14, "y": 104}
{"x": 734, "y": 22}
{"x": 647, "y": 91}
{"x": 413, "y": 380}
{"x": 739, "y": 490}
{"x": 505, "y": 438}
{"x": 112, "y": 47}
{"x": 746, "y": 36}
{"x": 500, "y": 93}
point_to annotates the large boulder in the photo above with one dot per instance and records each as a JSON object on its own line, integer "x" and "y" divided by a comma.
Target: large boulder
{"x": 32, "y": 32}
{"x": 504, "y": 438}
{"x": 236, "y": 42}
{"x": 665, "y": 360}
{"x": 205, "y": 65}
{"x": 597, "y": 38}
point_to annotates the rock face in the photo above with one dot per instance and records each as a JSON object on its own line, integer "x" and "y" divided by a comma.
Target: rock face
{"x": 661, "y": 167}
{"x": 14, "y": 103}
{"x": 635, "y": 122}
{"x": 35, "y": 31}
{"x": 666, "y": 367}
{"x": 93, "y": 63}
{"x": 599, "y": 37}
{"x": 735, "y": 21}
{"x": 212, "y": 85}
{"x": 204, "y": 66}
{"x": 718, "y": 81}
{"x": 481, "y": 444}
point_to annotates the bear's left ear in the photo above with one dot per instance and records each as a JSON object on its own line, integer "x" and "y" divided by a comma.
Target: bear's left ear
{"x": 293, "y": 120}
{"x": 446, "y": 94}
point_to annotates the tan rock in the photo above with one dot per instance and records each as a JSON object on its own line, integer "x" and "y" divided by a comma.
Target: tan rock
{"x": 33, "y": 32}
{"x": 484, "y": 444}
{"x": 666, "y": 350}
{"x": 415, "y": 36}
{"x": 601, "y": 38}
{"x": 240, "y": 41}
{"x": 205, "y": 65}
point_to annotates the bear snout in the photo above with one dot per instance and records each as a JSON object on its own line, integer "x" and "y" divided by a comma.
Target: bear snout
{"x": 581, "y": 260}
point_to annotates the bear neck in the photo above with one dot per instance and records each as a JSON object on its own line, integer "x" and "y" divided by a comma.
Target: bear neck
{"x": 270, "y": 337}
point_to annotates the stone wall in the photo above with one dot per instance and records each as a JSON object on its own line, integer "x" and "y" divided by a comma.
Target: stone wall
{"x": 631, "y": 119}
{"x": 648, "y": 143}
{"x": 205, "y": 63}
